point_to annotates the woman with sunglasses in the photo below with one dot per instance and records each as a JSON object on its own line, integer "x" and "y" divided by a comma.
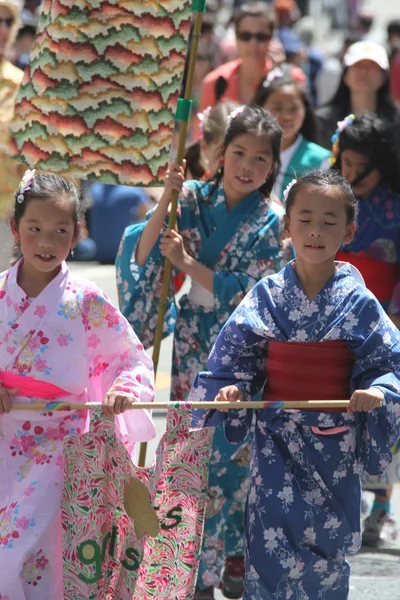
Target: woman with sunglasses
{"x": 10, "y": 79}
{"x": 239, "y": 79}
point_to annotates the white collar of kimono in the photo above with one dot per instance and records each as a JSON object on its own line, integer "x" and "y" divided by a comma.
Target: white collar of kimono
{"x": 346, "y": 267}
{"x": 354, "y": 272}
{"x": 15, "y": 291}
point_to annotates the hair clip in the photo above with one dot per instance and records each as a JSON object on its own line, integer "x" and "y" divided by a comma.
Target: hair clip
{"x": 25, "y": 184}
{"x": 202, "y": 116}
{"x": 235, "y": 113}
{"x": 276, "y": 73}
{"x": 341, "y": 125}
{"x": 287, "y": 190}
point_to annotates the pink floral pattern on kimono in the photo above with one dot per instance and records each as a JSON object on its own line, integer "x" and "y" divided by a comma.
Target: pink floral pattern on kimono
{"x": 73, "y": 338}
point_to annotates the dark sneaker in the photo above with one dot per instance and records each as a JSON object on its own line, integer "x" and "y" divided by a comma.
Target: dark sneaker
{"x": 206, "y": 594}
{"x": 233, "y": 577}
{"x": 379, "y": 528}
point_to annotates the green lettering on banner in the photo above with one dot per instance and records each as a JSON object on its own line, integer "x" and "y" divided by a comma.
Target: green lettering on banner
{"x": 171, "y": 515}
{"x": 89, "y": 554}
{"x": 134, "y": 556}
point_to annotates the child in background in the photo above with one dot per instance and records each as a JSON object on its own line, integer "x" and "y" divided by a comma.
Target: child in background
{"x": 335, "y": 342}
{"x": 229, "y": 237}
{"x": 60, "y": 339}
{"x": 289, "y": 103}
{"x": 364, "y": 151}
{"x": 203, "y": 157}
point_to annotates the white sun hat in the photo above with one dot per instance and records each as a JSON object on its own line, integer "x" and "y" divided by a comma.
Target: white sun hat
{"x": 366, "y": 50}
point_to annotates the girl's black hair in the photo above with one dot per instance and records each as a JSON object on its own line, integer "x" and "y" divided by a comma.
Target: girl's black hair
{"x": 385, "y": 107}
{"x": 309, "y": 128}
{"x": 372, "y": 137}
{"x": 257, "y": 121}
{"x": 325, "y": 179}
{"x": 194, "y": 164}
{"x": 47, "y": 185}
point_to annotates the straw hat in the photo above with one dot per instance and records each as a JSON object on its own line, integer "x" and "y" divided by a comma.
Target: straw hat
{"x": 15, "y": 7}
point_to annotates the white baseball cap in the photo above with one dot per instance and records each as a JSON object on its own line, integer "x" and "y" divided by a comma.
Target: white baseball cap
{"x": 366, "y": 50}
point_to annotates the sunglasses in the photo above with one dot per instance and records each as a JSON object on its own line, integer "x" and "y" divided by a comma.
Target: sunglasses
{"x": 246, "y": 36}
{"x": 8, "y": 22}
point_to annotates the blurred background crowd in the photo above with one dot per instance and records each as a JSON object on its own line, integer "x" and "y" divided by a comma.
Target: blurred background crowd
{"x": 310, "y": 40}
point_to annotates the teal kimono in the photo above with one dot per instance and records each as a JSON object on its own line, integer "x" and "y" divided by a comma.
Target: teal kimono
{"x": 241, "y": 246}
{"x": 307, "y": 157}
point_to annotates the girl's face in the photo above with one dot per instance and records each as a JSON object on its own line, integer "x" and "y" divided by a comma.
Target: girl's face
{"x": 287, "y": 107}
{"x": 212, "y": 154}
{"x": 353, "y": 165}
{"x": 248, "y": 163}
{"x": 46, "y": 233}
{"x": 317, "y": 224}
{"x": 365, "y": 76}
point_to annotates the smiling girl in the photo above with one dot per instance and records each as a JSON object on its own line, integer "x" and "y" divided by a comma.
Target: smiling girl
{"x": 60, "y": 339}
{"x": 229, "y": 237}
{"x": 288, "y": 101}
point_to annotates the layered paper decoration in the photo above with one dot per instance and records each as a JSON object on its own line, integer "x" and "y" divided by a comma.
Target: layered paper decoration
{"x": 99, "y": 95}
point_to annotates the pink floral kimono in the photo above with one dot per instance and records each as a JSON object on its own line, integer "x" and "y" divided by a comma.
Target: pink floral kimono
{"x": 69, "y": 343}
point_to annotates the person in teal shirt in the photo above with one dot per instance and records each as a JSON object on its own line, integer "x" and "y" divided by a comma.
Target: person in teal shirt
{"x": 289, "y": 103}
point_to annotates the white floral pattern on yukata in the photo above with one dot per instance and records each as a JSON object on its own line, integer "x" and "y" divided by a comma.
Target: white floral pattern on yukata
{"x": 303, "y": 511}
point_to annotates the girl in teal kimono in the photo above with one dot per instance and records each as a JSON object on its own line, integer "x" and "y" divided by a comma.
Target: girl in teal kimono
{"x": 229, "y": 238}
{"x": 289, "y": 102}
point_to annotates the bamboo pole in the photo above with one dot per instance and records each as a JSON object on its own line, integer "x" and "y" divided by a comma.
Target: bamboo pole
{"x": 296, "y": 404}
{"x": 198, "y": 10}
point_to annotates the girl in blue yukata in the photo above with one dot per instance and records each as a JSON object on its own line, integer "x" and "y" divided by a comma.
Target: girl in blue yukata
{"x": 364, "y": 151}
{"x": 228, "y": 238}
{"x": 312, "y": 331}
{"x": 289, "y": 103}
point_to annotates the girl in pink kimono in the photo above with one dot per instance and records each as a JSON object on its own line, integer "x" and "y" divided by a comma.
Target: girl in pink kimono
{"x": 60, "y": 339}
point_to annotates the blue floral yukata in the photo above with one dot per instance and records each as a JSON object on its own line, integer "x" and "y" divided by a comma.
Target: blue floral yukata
{"x": 375, "y": 249}
{"x": 303, "y": 509}
{"x": 241, "y": 246}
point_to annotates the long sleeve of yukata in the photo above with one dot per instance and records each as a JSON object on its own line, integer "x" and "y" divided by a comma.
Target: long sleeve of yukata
{"x": 118, "y": 362}
{"x": 241, "y": 246}
{"x": 277, "y": 309}
{"x": 139, "y": 287}
{"x": 238, "y": 358}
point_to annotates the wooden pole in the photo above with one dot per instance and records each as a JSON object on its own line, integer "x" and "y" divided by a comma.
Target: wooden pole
{"x": 296, "y": 404}
{"x": 198, "y": 8}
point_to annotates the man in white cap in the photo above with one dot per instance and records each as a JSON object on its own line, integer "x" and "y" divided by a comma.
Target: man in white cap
{"x": 10, "y": 79}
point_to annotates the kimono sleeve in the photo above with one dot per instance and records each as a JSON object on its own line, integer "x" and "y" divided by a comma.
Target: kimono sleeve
{"x": 262, "y": 258}
{"x": 377, "y": 365}
{"x": 139, "y": 288}
{"x": 117, "y": 361}
{"x": 238, "y": 358}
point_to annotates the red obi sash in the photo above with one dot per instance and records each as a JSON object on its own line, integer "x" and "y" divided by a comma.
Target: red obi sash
{"x": 380, "y": 277}
{"x": 30, "y": 387}
{"x": 308, "y": 371}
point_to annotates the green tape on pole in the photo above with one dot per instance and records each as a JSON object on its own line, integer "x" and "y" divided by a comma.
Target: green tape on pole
{"x": 199, "y": 6}
{"x": 183, "y": 110}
